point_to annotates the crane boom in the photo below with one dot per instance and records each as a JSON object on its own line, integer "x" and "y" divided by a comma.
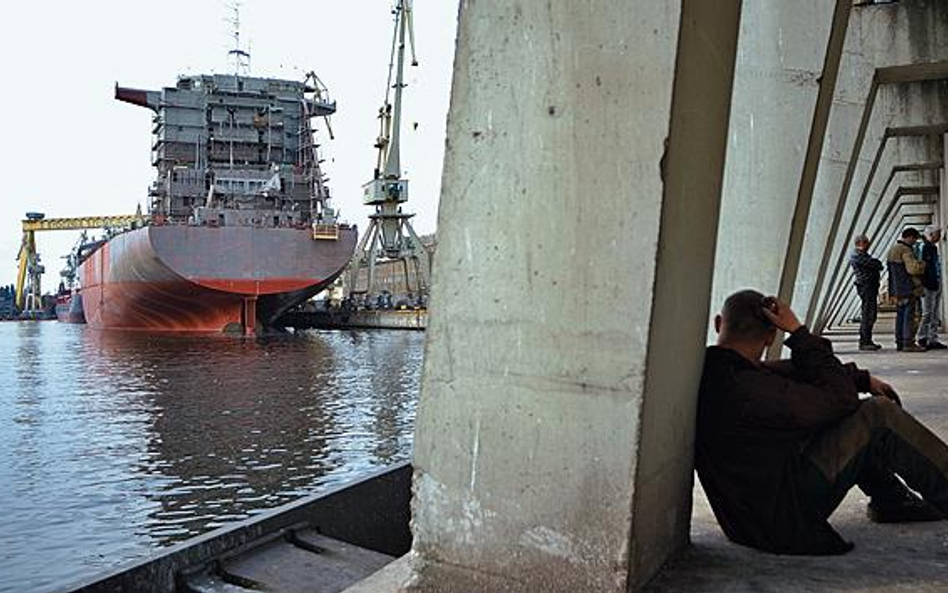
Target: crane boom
{"x": 28, "y": 268}
{"x": 84, "y": 222}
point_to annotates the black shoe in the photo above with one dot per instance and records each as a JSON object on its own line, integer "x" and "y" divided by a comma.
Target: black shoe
{"x": 910, "y": 510}
{"x": 935, "y": 345}
{"x": 870, "y": 347}
{"x": 923, "y": 342}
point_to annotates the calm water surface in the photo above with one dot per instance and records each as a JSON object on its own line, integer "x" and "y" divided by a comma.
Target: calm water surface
{"x": 114, "y": 444}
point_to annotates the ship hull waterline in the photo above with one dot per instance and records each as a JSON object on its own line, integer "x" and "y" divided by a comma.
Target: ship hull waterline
{"x": 191, "y": 279}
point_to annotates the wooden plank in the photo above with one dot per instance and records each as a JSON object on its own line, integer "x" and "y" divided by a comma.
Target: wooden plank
{"x": 317, "y": 564}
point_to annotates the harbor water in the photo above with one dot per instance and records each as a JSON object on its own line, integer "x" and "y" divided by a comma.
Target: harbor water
{"x": 115, "y": 444}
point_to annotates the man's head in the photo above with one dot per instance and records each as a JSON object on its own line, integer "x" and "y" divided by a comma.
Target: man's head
{"x": 742, "y": 322}
{"x": 933, "y": 234}
{"x": 910, "y": 235}
{"x": 862, "y": 243}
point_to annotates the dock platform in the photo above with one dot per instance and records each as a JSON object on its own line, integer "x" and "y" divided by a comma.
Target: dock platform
{"x": 405, "y": 319}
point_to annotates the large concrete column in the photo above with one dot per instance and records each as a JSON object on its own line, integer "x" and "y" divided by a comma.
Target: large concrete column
{"x": 781, "y": 55}
{"x": 943, "y": 224}
{"x": 577, "y": 224}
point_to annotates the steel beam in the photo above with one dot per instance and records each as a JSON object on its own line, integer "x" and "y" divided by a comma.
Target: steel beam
{"x": 84, "y": 222}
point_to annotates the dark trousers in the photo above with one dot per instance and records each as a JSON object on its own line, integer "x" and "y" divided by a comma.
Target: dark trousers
{"x": 905, "y": 321}
{"x": 866, "y": 449}
{"x": 869, "y": 296}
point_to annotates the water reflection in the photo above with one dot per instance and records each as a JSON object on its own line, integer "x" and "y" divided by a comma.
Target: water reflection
{"x": 122, "y": 442}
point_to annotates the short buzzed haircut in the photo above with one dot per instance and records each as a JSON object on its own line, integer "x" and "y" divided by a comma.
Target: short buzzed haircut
{"x": 743, "y": 314}
{"x": 861, "y": 239}
{"x": 910, "y": 233}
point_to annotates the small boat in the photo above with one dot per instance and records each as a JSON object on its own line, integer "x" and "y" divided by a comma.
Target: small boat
{"x": 69, "y": 306}
{"x": 68, "y": 299}
{"x": 321, "y": 544}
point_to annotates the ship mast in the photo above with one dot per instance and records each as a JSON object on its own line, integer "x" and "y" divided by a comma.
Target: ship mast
{"x": 239, "y": 58}
{"x": 390, "y": 236}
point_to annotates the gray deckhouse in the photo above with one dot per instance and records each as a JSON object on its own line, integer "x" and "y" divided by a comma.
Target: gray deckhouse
{"x": 235, "y": 150}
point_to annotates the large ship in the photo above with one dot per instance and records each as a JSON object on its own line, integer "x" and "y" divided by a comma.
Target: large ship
{"x": 239, "y": 227}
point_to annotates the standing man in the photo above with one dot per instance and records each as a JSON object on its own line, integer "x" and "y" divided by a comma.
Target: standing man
{"x": 867, "y": 271}
{"x": 905, "y": 271}
{"x": 931, "y": 300}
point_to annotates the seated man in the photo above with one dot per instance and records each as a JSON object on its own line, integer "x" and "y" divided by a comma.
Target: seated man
{"x": 780, "y": 444}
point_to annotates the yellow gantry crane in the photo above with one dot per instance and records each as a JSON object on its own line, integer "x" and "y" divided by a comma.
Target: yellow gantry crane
{"x": 30, "y": 271}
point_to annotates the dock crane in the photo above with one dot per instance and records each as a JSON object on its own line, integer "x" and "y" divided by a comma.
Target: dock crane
{"x": 390, "y": 236}
{"x": 28, "y": 292}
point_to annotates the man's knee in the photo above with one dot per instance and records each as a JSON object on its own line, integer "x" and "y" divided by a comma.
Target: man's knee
{"x": 879, "y": 411}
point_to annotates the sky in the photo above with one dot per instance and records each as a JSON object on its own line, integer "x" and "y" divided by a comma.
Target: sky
{"x": 70, "y": 149}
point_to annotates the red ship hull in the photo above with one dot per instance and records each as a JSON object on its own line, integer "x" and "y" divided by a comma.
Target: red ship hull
{"x": 207, "y": 280}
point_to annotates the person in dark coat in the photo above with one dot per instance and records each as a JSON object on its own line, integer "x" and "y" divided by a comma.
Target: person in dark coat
{"x": 931, "y": 299}
{"x": 779, "y": 444}
{"x": 867, "y": 271}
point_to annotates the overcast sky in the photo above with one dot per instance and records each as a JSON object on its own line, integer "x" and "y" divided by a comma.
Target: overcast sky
{"x": 70, "y": 149}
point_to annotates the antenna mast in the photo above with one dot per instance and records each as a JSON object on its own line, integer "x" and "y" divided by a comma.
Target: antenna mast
{"x": 239, "y": 58}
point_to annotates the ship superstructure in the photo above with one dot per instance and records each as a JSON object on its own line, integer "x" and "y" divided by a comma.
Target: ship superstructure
{"x": 236, "y": 150}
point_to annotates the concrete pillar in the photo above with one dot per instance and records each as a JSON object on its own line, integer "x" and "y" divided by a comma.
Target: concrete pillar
{"x": 781, "y": 55}
{"x": 943, "y": 224}
{"x": 581, "y": 186}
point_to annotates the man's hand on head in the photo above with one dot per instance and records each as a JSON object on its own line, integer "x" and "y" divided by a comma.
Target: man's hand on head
{"x": 781, "y": 315}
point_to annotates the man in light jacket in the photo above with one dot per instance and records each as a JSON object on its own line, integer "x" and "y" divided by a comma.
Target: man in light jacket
{"x": 905, "y": 282}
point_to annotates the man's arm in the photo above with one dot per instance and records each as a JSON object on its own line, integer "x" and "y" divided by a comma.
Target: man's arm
{"x": 822, "y": 391}
{"x": 818, "y": 391}
{"x": 912, "y": 264}
{"x": 785, "y": 368}
{"x": 861, "y": 378}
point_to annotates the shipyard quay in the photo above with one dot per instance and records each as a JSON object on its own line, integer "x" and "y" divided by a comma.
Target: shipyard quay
{"x": 549, "y": 297}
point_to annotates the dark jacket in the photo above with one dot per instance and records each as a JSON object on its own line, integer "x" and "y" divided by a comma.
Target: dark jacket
{"x": 866, "y": 269}
{"x": 753, "y": 422}
{"x": 905, "y": 270}
{"x": 932, "y": 277}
